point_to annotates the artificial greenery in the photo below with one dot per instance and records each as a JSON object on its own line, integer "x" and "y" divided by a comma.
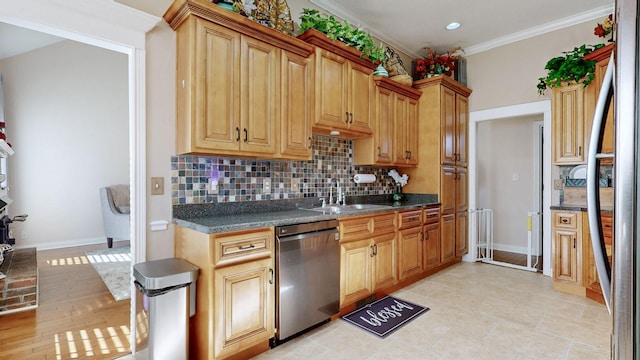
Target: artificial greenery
{"x": 569, "y": 68}
{"x": 344, "y": 32}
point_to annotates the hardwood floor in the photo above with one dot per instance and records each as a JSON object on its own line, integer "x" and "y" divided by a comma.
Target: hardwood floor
{"x": 77, "y": 317}
{"x": 516, "y": 259}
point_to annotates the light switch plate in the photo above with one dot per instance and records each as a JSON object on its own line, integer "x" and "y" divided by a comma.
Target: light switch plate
{"x": 295, "y": 184}
{"x": 266, "y": 186}
{"x": 157, "y": 186}
{"x": 557, "y": 184}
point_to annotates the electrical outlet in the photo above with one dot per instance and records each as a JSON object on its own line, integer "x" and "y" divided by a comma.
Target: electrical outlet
{"x": 266, "y": 186}
{"x": 295, "y": 184}
{"x": 557, "y": 184}
{"x": 213, "y": 187}
{"x": 25, "y": 234}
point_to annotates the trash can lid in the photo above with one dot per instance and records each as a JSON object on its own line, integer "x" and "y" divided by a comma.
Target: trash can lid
{"x": 160, "y": 274}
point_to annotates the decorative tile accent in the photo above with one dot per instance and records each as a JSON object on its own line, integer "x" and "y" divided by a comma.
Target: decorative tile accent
{"x": 243, "y": 179}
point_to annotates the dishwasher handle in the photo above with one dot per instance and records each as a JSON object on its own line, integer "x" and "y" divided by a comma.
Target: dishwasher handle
{"x": 298, "y": 237}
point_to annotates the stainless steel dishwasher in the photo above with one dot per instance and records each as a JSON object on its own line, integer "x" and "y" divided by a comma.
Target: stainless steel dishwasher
{"x": 307, "y": 276}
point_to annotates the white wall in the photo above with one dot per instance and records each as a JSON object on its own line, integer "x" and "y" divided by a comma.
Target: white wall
{"x": 508, "y": 75}
{"x": 67, "y": 118}
{"x": 506, "y": 148}
{"x": 161, "y": 133}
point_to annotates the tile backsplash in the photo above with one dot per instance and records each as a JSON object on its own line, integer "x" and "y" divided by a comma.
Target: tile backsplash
{"x": 244, "y": 179}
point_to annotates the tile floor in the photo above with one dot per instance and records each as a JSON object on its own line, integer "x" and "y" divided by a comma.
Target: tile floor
{"x": 478, "y": 311}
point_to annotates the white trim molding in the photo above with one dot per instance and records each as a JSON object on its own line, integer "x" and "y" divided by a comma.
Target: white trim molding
{"x": 542, "y": 108}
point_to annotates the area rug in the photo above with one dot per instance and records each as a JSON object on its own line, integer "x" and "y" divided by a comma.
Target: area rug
{"x": 114, "y": 267}
{"x": 384, "y": 316}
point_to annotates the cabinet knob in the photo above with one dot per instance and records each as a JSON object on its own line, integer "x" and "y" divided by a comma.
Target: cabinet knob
{"x": 565, "y": 220}
{"x": 372, "y": 251}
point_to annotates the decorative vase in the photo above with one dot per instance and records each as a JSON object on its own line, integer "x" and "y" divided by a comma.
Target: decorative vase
{"x": 380, "y": 71}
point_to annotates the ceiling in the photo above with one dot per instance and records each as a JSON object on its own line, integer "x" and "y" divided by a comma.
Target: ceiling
{"x": 410, "y": 28}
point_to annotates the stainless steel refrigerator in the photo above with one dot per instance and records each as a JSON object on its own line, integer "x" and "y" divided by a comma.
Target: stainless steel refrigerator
{"x": 619, "y": 280}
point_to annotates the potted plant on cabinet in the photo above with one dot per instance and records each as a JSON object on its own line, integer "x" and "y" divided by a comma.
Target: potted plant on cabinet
{"x": 313, "y": 22}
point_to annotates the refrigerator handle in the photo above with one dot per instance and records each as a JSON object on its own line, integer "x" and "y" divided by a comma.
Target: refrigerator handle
{"x": 593, "y": 183}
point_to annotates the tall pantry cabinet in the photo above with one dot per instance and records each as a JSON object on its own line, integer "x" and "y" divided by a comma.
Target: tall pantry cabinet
{"x": 444, "y": 125}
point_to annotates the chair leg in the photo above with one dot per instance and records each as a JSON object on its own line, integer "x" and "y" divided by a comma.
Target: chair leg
{"x": 110, "y": 242}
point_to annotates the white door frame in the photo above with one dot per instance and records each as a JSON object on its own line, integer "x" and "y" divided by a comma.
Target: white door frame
{"x": 534, "y": 108}
{"x": 110, "y": 25}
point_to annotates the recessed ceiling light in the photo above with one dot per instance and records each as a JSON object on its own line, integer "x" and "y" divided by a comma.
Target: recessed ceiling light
{"x": 452, "y": 26}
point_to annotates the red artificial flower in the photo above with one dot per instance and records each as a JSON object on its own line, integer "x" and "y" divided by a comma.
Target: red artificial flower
{"x": 599, "y": 31}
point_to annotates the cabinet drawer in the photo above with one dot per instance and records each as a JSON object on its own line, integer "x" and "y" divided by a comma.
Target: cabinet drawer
{"x": 409, "y": 219}
{"x": 566, "y": 220}
{"x": 244, "y": 246}
{"x": 431, "y": 215}
{"x": 363, "y": 226}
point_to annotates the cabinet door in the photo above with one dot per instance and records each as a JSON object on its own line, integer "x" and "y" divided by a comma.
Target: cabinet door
{"x": 361, "y": 98}
{"x": 238, "y": 288}
{"x": 448, "y": 126}
{"x": 383, "y": 265}
{"x": 448, "y": 238}
{"x": 568, "y": 125}
{"x": 461, "y": 233}
{"x": 431, "y": 246}
{"x": 608, "y": 138}
{"x": 462, "y": 128}
{"x": 331, "y": 90}
{"x": 565, "y": 255}
{"x": 411, "y": 134}
{"x": 355, "y": 270}
{"x": 296, "y": 106}
{"x": 384, "y": 126}
{"x": 448, "y": 186}
{"x": 216, "y": 108}
{"x": 401, "y": 130}
{"x": 259, "y": 96}
{"x": 461, "y": 189}
{"x": 410, "y": 252}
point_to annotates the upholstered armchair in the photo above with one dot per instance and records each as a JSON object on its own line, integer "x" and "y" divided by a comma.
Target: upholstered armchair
{"x": 115, "y": 212}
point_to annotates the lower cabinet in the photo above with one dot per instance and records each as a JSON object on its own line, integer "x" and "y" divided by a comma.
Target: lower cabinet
{"x": 235, "y": 291}
{"x": 462, "y": 223}
{"x": 368, "y": 256}
{"x": 410, "y": 251}
{"x": 448, "y": 238}
{"x": 431, "y": 239}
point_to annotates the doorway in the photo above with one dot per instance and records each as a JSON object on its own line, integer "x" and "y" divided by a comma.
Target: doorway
{"x": 538, "y": 111}
{"x": 115, "y": 27}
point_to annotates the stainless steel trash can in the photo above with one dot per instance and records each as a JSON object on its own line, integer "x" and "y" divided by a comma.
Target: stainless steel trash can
{"x": 166, "y": 293}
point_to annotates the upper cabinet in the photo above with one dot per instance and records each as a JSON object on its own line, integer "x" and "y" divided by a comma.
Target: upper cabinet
{"x": 395, "y": 127}
{"x": 454, "y": 108}
{"x": 573, "y": 109}
{"x": 337, "y": 106}
{"x": 242, "y": 89}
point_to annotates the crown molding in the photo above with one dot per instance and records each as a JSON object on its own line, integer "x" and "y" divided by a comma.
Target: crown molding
{"x": 332, "y": 7}
{"x": 596, "y": 13}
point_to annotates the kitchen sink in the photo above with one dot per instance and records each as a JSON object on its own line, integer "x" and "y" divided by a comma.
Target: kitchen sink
{"x": 335, "y": 209}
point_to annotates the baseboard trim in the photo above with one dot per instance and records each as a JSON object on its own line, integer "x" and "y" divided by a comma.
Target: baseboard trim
{"x": 62, "y": 244}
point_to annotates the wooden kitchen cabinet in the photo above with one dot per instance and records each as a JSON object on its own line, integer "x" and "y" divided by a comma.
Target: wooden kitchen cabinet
{"x": 410, "y": 243}
{"x": 344, "y": 93}
{"x": 443, "y": 132}
{"x": 567, "y": 251}
{"x": 592, "y": 92}
{"x": 431, "y": 247}
{"x": 395, "y": 137}
{"x": 238, "y": 85}
{"x": 235, "y": 291}
{"x": 448, "y": 238}
{"x": 368, "y": 256}
{"x": 590, "y": 278}
{"x": 568, "y": 124}
{"x": 296, "y": 106}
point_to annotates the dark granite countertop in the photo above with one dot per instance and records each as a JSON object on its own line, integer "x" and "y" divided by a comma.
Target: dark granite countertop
{"x": 580, "y": 207}
{"x": 225, "y": 217}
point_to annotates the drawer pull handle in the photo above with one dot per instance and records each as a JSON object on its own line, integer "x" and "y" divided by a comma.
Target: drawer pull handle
{"x": 565, "y": 220}
{"x": 373, "y": 253}
{"x": 427, "y": 234}
{"x": 238, "y": 131}
{"x": 347, "y": 117}
{"x": 272, "y": 276}
{"x": 246, "y": 247}
{"x": 246, "y": 135}
{"x": 351, "y": 116}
